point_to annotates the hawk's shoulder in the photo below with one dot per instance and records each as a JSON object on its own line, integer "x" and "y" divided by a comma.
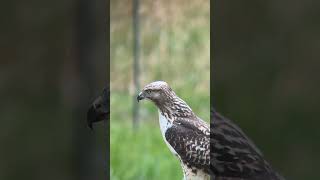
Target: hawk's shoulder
{"x": 191, "y": 143}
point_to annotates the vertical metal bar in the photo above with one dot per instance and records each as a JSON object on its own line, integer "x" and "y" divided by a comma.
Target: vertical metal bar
{"x": 136, "y": 56}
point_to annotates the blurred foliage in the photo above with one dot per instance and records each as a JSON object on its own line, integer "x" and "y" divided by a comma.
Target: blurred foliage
{"x": 174, "y": 43}
{"x": 266, "y": 78}
{"x": 174, "y": 48}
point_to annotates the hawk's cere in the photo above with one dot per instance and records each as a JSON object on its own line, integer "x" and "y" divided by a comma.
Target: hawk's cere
{"x": 186, "y": 135}
{"x": 99, "y": 110}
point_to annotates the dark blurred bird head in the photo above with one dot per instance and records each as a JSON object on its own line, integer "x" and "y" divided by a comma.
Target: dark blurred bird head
{"x": 100, "y": 109}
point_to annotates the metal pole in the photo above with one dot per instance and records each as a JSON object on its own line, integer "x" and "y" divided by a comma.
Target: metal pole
{"x": 136, "y": 56}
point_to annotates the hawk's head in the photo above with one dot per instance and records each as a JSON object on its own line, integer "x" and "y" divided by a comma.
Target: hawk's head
{"x": 99, "y": 110}
{"x": 156, "y": 91}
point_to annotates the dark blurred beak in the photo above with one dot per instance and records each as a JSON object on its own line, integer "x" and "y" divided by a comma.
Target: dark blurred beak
{"x": 98, "y": 111}
{"x": 140, "y": 97}
{"x": 91, "y": 116}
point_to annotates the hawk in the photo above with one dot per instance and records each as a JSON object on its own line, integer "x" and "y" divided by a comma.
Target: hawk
{"x": 186, "y": 135}
{"x": 99, "y": 110}
{"x": 221, "y": 152}
{"x": 233, "y": 154}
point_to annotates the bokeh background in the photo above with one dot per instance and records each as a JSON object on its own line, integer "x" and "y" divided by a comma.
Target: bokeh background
{"x": 266, "y": 73}
{"x": 175, "y": 47}
{"x": 53, "y": 63}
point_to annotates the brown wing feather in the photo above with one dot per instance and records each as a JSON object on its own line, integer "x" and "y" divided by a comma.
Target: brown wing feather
{"x": 191, "y": 144}
{"x": 233, "y": 155}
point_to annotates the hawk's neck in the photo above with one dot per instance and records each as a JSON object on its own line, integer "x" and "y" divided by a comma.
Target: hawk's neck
{"x": 173, "y": 107}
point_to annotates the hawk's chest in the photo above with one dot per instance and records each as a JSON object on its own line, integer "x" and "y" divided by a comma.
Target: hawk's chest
{"x": 165, "y": 124}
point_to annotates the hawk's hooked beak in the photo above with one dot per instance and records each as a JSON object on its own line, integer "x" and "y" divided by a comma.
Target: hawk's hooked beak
{"x": 99, "y": 110}
{"x": 140, "y": 96}
{"x": 91, "y": 116}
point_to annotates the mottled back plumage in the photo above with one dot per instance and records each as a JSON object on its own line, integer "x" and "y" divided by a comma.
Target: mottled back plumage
{"x": 233, "y": 154}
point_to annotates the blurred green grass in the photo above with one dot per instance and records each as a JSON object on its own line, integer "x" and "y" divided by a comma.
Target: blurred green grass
{"x": 141, "y": 154}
